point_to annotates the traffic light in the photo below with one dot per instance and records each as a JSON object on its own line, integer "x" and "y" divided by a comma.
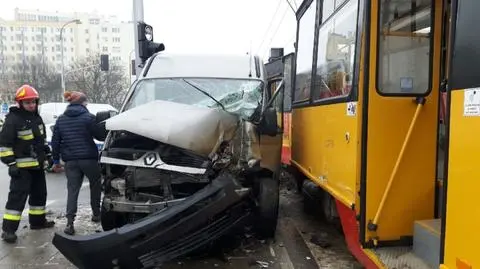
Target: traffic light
{"x": 145, "y": 42}
{"x": 104, "y": 66}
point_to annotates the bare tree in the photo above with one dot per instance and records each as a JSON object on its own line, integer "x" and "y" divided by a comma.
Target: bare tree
{"x": 100, "y": 86}
{"x": 41, "y": 75}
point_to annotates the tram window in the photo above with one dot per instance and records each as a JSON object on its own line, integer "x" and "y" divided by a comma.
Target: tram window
{"x": 328, "y": 8}
{"x": 338, "y": 3}
{"x": 306, "y": 31}
{"x": 336, "y": 54}
{"x": 287, "y": 93}
{"x": 404, "y": 47}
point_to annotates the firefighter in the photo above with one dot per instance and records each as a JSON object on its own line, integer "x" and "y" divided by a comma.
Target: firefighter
{"x": 24, "y": 149}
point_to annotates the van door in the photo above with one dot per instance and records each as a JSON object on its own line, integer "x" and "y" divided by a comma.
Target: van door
{"x": 271, "y": 146}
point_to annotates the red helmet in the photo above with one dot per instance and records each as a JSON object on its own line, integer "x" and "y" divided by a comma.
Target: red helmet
{"x": 26, "y": 92}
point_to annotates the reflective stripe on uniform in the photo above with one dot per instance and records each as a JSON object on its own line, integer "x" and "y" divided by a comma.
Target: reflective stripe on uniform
{"x": 27, "y": 162}
{"x": 36, "y": 210}
{"x": 40, "y": 127}
{"x": 5, "y": 152}
{"x": 25, "y": 134}
{"x": 13, "y": 215}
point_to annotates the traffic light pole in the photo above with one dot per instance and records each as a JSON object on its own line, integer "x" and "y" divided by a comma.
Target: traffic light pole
{"x": 137, "y": 17}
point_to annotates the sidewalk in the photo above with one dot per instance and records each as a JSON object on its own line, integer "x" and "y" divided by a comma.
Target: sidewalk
{"x": 34, "y": 249}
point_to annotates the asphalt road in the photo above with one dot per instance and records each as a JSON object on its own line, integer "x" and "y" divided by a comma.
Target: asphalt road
{"x": 56, "y": 188}
{"x": 291, "y": 249}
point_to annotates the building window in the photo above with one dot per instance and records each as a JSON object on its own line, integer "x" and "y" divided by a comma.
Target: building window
{"x": 86, "y": 31}
{"x": 104, "y": 29}
{"x": 105, "y": 49}
{"x": 87, "y": 40}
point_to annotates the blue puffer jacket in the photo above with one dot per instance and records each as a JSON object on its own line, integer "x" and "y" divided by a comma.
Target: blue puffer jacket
{"x": 73, "y": 135}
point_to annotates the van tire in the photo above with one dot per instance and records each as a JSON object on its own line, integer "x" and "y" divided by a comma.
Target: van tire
{"x": 267, "y": 192}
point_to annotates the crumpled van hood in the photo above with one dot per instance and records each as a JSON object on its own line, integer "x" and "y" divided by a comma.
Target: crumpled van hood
{"x": 198, "y": 129}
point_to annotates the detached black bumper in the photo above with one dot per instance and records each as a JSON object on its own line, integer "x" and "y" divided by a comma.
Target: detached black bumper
{"x": 200, "y": 219}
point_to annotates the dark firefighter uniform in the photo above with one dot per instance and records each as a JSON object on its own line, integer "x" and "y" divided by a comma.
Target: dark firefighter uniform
{"x": 24, "y": 149}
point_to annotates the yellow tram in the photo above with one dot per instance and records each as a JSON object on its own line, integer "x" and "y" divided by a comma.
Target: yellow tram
{"x": 368, "y": 80}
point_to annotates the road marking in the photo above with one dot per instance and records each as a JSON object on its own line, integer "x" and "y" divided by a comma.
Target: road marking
{"x": 49, "y": 202}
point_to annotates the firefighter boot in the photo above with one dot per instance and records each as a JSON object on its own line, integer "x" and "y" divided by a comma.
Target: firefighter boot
{"x": 47, "y": 224}
{"x": 9, "y": 237}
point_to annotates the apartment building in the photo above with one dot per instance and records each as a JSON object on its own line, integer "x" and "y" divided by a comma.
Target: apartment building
{"x": 35, "y": 34}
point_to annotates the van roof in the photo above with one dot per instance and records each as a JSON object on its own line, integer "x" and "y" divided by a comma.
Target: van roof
{"x": 165, "y": 65}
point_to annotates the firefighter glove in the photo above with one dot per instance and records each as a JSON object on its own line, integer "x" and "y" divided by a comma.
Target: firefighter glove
{"x": 13, "y": 170}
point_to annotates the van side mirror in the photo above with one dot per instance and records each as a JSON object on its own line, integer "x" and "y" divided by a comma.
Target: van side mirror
{"x": 104, "y": 115}
{"x": 268, "y": 124}
{"x": 100, "y": 132}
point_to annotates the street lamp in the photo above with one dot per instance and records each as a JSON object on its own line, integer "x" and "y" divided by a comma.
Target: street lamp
{"x": 61, "y": 45}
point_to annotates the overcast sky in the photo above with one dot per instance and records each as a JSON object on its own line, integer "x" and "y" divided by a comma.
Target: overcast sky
{"x": 192, "y": 26}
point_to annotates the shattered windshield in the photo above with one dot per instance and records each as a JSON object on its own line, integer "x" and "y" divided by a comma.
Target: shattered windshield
{"x": 238, "y": 96}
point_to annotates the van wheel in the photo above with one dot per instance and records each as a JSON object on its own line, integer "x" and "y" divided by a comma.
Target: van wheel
{"x": 111, "y": 220}
{"x": 267, "y": 193}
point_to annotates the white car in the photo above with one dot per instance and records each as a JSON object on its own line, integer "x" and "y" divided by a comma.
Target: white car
{"x": 51, "y": 111}
{"x": 49, "y": 134}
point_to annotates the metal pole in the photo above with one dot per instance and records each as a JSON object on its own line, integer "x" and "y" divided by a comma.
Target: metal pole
{"x": 62, "y": 78}
{"x": 137, "y": 17}
{"x": 63, "y": 68}
{"x": 130, "y": 66}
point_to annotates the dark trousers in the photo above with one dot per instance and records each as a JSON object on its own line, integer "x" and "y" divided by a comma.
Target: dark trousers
{"x": 30, "y": 183}
{"x": 75, "y": 170}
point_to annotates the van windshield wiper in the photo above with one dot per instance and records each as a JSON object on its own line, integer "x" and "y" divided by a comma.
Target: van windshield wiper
{"x": 204, "y": 92}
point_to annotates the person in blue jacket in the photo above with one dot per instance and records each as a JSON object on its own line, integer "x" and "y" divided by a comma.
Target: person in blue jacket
{"x": 73, "y": 141}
